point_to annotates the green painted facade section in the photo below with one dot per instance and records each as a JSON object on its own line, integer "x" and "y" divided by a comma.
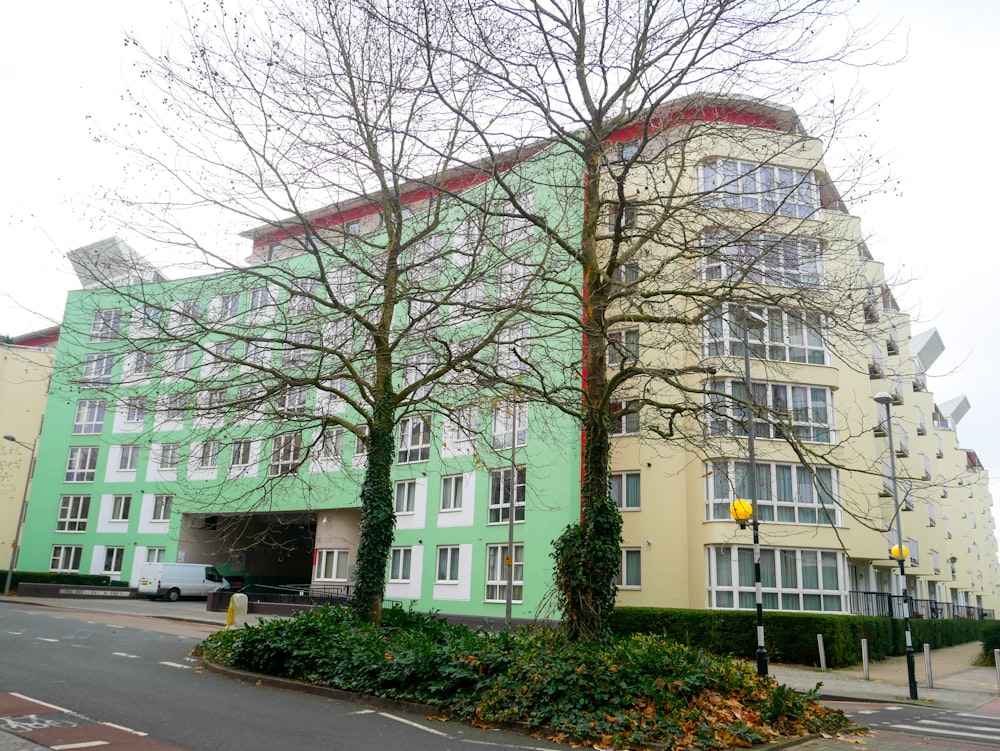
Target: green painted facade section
{"x": 280, "y": 528}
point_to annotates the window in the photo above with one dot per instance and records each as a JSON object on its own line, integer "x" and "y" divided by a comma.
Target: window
{"x": 229, "y": 305}
{"x": 73, "y": 511}
{"x": 788, "y": 336}
{"x": 120, "y": 507}
{"x": 624, "y": 276}
{"x": 142, "y": 363}
{"x": 451, "y": 493}
{"x": 627, "y": 213}
{"x": 514, "y": 350}
{"x": 128, "y": 459}
{"x": 293, "y": 401}
{"x": 497, "y": 570}
{"x": 181, "y": 361}
{"x": 418, "y": 367}
{"x": 361, "y": 444}
{"x": 285, "y": 456}
{"x": 500, "y": 496}
{"x": 260, "y": 299}
{"x": 806, "y": 411}
{"x": 514, "y": 225}
{"x": 399, "y": 564}
{"x": 150, "y": 317}
{"x": 414, "y": 439}
{"x": 422, "y": 317}
{"x": 89, "y": 417}
{"x": 758, "y": 187}
{"x": 298, "y": 350}
{"x": 343, "y": 283}
{"x": 786, "y": 493}
{"x": 162, "y": 505}
{"x": 776, "y": 260}
{"x": 625, "y": 490}
{"x": 791, "y": 579}
{"x": 630, "y": 573}
{"x": 113, "y": 558}
{"x": 303, "y": 297}
{"x": 273, "y": 252}
{"x": 625, "y": 417}
{"x": 170, "y": 454}
{"x": 156, "y": 555}
{"x": 82, "y": 464}
{"x": 66, "y": 558}
{"x": 241, "y": 453}
{"x": 105, "y": 325}
{"x": 97, "y": 370}
{"x": 175, "y": 407}
{"x": 515, "y": 278}
{"x": 214, "y": 400}
{"x": 331, "y": 565}
{"x": 623, "y": 347}
{"x": 188, "y": 311}
{"x": 447, "y": 560}
{"x": 406, "y": 493}
{"x": 208, "y": 455}
{"x": 505, "y": 415}
{"x": 328, "y": 447}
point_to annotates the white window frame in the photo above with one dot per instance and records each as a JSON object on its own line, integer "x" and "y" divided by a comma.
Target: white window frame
{"x": 766, "y": 188}
{"x": 414, "y": 439}
{"x": 732, "y": 586}
{"x": 286, "y": 454}
{"x": 787, "y": 493}
{"x": 89, "y": 418}
{"x": 809, "y": 410}
{"x": 162, "y": 507}
{"x": 499, "y": 508}
{"x": 400, "y": 564}
{"x": 156, "y": 555}
{"x": 81, "y": 466}
{"x": 333, "y": 565}
{"x": 451, "y": 493}
{"x": 66, "y": 559}
{"x": 514, "y": 350}
{"x": 114, "y": 559}
{"x": 73, "y": 513}
{"x": 787, "y": 336}
{"x": 128, "y": 458}
{"x": 624, "y": 580}
{"x": 208, "y": 454}
{"x": 505, "y": 414}
{"x": 619, "y": 486}
{"x": 627, "y": 424}
{"x": 242, "y": 453}
{"x": 405, "y": 497}
{"x": 623, "y": 347}
{"x": 448, "y": 569}
{"x": 496, "y": 573}
{"x": 170, "y": 455}
{"x": 97, "y": 370}
{"x": 121, "y": 507}
{"x": 106, "y": 325}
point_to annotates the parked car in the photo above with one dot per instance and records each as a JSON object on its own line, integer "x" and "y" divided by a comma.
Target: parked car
{"x": 176, "y": 580}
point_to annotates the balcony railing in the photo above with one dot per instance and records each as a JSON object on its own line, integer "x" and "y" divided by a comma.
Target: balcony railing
{"x": 891, "y": 606}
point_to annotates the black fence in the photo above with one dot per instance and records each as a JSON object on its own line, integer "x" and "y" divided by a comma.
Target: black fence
{"x": 891, "y": 606}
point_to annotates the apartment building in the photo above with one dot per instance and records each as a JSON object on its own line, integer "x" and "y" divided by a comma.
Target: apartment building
{"x": 220, "y": 418}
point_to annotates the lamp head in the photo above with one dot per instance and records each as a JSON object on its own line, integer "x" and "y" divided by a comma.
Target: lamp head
{"x": 9, "y": 437}
{"x": 883, "y": 397}
{"x": 894, "y": 552}
{"x": 741, "y": 510}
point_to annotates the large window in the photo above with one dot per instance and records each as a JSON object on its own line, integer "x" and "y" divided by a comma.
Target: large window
{"x": 451, "y": 493}
{"x": 170, "y": 454}
{"x": 113, "y": 559}
{"x": 121, "y": 505}
{"x": 208, "y": 455}
{"x": 293, "y": 401}
{"x": 73, "y": 511}
{"x": 299, "y": 348}
{"x": 789, "y": 336}
{"x": 105, "y": 325}
{"x": 625, "y": 490}
{"x": 500, "y": 495}
{"x": 414, "y": 439}
{"x": 406, "y": 493}
{"x": 175, "y": 407}
{"x": 625, "y": 417}
{"x": 241, "y": 453}
{"x": 162, "y": 505}
{"x": 82, "y": 464}
{"x": 128, "y": 459}
{"x": 97, "y": 370}
{"x": 447, "y": 564}
{"x": 776, "y": 260}
{"x": 791, "y": 579}
{"x": 514, "y": 350}
{"x": 505, "y": 416}
{"x": 515, "y": 277}
{"x": 623, "y": 347}
{"x": 759, "y": 187}
{"x": 331, "y": 565}
{"x": 399, "y": 564}
{"x": 497, "y": 570}
{"x": 803, "y": 411}
{"x": 89, "y": 417}
{"x": 135, "y": 409}
{"x": 786, "y": 493}
{"x": 156, "y": 555}
{"x": 630, "y": 573}
{"x": 286, "y": 454}
{"x": 66, "y": 558}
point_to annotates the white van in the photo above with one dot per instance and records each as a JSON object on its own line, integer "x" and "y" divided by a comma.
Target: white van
{"x": 176, "y": 580}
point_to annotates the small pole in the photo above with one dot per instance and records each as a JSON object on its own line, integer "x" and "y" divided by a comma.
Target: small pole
{"x": 822, "y": 652}
{"x": 864, "y": 660}
{"x": 996, "y": 663}
{"x": 927, "y": 666}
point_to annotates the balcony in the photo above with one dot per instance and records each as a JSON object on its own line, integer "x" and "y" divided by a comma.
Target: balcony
{"x": 885, "y": 605}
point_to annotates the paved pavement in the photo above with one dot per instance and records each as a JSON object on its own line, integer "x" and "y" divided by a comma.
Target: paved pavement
{"x": 958, "y": 684}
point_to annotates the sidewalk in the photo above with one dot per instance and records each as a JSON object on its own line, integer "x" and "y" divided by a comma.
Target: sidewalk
{"x": 958, "y": 684}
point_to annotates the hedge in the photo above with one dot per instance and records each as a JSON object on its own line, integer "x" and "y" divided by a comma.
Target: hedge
{"x": 48, "y": 577}
{"x": 791, "y": 637}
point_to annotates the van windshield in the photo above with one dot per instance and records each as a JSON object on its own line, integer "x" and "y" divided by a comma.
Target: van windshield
{"x": 212, "y": 575}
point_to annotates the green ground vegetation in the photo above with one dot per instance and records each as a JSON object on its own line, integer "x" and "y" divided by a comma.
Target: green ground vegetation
{"x": 625, "y": 691}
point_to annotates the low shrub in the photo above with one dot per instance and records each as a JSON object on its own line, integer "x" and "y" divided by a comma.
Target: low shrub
{"x": 630, "y": 691}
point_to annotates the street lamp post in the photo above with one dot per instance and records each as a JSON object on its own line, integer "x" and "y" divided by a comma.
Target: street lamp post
{"x": 14, "y": 547}
{"x": 751, "y": 319}
{"x": 899, "y": 551}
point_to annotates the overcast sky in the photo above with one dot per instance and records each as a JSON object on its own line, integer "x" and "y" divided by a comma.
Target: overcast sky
{"x": 62, "y": 70}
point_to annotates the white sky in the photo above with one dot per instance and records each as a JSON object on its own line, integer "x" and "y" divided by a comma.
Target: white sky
{"x": 61, "y": 72}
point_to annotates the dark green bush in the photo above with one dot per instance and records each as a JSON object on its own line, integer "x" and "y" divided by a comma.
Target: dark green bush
{"x": 629, "y": 691}
{"x": 791, "y": 637}
{"x": 48, "y": 577}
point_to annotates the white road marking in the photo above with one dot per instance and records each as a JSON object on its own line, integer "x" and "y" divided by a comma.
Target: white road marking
{"x": 42, "y": 638}
{"x": 46, "y": 704}
{"x": 15, "y": 633}
{"x": 112, "y": 625}
{"x": 987, "y": 728}
{"x": 412, "y": 724}
{"x": 925, "y": 729}
{"x": 866, "y": 711}
{"x": 125, "y": 654}
{"x": 84, "y": 744}
{"x": 364, "y": 711}
{"x": 176, "y": 665}
{"x": 891, "y": 709}
{"x": 122, "y": 727}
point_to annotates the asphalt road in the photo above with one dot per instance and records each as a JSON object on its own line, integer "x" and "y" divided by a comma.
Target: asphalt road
{"x": 927, "y": 723}
{"x": 137, "y": 673}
